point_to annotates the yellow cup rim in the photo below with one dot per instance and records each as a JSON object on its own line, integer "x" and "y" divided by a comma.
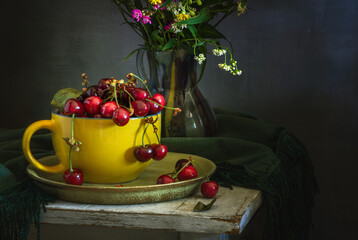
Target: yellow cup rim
{"x": 110, "y": 119}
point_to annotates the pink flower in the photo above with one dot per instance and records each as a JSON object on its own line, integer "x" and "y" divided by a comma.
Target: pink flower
{"x": 146, "y": 19}
{"x": 137, "y": 14}
{"x": 158, "y": 6}
{"x": 166, "y": 28}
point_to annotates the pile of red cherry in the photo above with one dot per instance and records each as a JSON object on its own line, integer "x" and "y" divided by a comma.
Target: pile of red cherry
{"x": 184, "y": 170}
{"x": 114, "y": 99}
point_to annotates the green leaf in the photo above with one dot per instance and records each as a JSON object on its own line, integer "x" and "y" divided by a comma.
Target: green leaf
{"x": 172, "y": 42}
{"x": 63, "y": 95}
{"x": 138, "y": 4}
{"x": 155, "y": 35}
{"x": 203, "y": 16}
{"x": 167, "y": 2}
{"x": 186, "y": 47}
{"x": 192, "y": 29}
{"x": 131, "y": 53}
{"x": 220, "y": 8}
{"x": 205, "y": 30}
{"x": 214, "y": 2}
{"x": 202, "y": 207}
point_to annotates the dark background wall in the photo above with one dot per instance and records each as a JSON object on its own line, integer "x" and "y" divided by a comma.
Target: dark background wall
{"x": 300, "y": 71}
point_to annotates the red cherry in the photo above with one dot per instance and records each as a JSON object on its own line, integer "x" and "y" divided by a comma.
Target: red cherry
{"x": 160, "y": 99}
{"x": 141, "y": 108}
{"x": 159, "y": 151}
{"x": 74, "y": 106}
{"x": 153, "y": 107}
{"x": 104, "y": 94}
{"x": 143, "y": 154}
{"x": 164, "y": 179}
{"x": 181, "y": 163}
{"x": 209, "y": 189}
{"x": 103, "y": 84}
{"x": 139, "y": 94}
{"x": 125, "y": 96}
{"x": 108, "y": 108}
{"x": 75, "y": 177}
{"x": 92, "y": 104}
{"x": 90, "y": 91}
{"x": 187, "y": 173}
{"x": 121, "y": 116}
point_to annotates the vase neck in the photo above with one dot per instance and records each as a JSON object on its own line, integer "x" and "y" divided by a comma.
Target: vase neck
{"x": 172, "y": 70}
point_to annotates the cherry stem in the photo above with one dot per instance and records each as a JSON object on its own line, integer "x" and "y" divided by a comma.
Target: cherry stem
{"x": 202, "y": 170}
{"x": 115, "y": 95}
{"x": 177, "y": 173}
{"x": 130, "y": 95}
{"x": 160, "y": 104}
{"x": 144, "y": 134}
{"x": 69, "y": 154}
{"x": 143, "y": 83}
{"x": 120, "y": 94}
{"x": 125, "y": 107}
{"x": 155, "y": 131}
{"x": 106, "y": 99}
{"x": 156, "y": 134}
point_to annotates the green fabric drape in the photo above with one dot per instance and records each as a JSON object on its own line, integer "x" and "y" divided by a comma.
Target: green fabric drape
{"x": 248, "y": 153}
{"x": 20, "y": 200}
{"x": 251, "y": 153}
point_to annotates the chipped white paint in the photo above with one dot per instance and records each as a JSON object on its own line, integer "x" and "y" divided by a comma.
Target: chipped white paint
{"x": 231, "y": 212}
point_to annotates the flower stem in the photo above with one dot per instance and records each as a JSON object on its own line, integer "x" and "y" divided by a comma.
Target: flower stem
{"x": 148, "y": 36}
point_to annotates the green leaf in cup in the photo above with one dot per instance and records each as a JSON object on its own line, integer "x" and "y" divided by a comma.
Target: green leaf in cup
{"x": 63, "y": 95}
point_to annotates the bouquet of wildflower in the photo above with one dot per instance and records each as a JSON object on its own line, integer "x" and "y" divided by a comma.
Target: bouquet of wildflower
{"x": 169, "y": 24}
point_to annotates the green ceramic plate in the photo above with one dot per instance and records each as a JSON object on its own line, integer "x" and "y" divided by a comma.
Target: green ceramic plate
{"x": 141, "y": 190}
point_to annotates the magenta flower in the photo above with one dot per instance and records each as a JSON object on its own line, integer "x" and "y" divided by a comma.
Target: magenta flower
{"x": 146, "y": 19}
{"x": 137, "y": 14}
{"x": 166, "y": 28}
{"x": 158, "y": 6}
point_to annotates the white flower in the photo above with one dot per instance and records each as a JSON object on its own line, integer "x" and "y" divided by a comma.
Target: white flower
{"x": 182, "y": 26}
{"x": 175, "y": 29}
{"x": 237, "y": 72}
{"x": 219, "y": 52}
{"x": 200, "y": 59}
{"x": 224, "y": 66}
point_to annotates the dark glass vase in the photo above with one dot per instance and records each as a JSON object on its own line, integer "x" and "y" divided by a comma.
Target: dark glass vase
{"x": 174, "y": 75}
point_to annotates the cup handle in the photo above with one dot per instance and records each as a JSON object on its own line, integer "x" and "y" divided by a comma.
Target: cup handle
{"x": 30, "y": 130}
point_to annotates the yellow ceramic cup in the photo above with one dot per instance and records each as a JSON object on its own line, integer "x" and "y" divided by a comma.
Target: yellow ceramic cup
{"x": 107, "y": 151}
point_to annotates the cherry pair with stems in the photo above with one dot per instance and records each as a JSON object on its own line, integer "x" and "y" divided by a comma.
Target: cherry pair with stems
{"x": 184, "y": 170}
